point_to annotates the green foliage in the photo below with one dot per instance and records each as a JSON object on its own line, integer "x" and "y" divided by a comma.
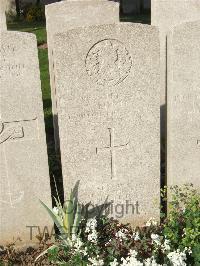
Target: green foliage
{"x": 196, "y": 254}
{"x": 104, "y": 241}
{"x": 66, "y": 218}
{"x": 182, "y": 227}
{"x": 37, "y": 28}
{"x": 46, "y": 95}
{"x": 33, "y": 12}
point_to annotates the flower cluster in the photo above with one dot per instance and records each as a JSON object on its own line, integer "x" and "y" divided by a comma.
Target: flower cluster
{"x": 96, "y": 261}
{"x": 121, "y": 234}
{"x": 107, "y": 242}
{"x": 155, "y": 239}
{"x": 151, "y": 222}
{"x": 132, "y": 260}
{"x": 178, "y": 258}
{"x": 136, "y": 236}
{"x": 91, "y": 230}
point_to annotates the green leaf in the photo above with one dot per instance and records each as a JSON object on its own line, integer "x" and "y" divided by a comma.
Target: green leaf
{"x": 54, "y": 218}
{"x": 46, "y": 251}
{"x": 77, "y": 220}
{"x": 69, "y": 214}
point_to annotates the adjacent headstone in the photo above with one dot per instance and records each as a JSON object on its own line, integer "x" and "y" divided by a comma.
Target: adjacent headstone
{"x": 24, "y": 174}
{"x": 72, "y": 14}
{"x": 166, "y": 14}
{"x": 2, "y": 16}
{"x": 107, "y": 80}
{"x": 11, "y": 6}
{"x": 184, "y": 105}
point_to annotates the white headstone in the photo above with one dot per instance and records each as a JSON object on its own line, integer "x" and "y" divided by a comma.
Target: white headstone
{"x": 10, "y": 6}
{"x": 72, "y": 14}
{"x": 166, "y": 14}
{"x": 184, "y": 105}
{"x": 2, "y": 16}
{"x": 24, "y": 174}
{"x": 107, "y": 80}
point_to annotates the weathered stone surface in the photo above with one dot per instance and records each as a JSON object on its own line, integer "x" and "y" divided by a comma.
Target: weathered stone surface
{"x": 184, "y": 104}
{"x": 72, "y": 14}
{"x": 166, "y": 14}
{"x": 107, "y": 80}
{"x": 2, "y": 16}
{"x": 24, "y": 174}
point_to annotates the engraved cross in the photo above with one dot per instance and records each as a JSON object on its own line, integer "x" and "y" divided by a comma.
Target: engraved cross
{"x": 111, "y": 149}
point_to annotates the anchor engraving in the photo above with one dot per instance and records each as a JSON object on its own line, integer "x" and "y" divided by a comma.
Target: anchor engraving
{"x": 12, "y": 132}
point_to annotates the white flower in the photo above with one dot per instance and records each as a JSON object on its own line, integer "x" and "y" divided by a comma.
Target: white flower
{"x": 96, "y": 261}
{"x": 177, "y": 258}
{"x": 84, "y": 251}
{"x": 166, "y": 245}
{"x": 133, "y": 253}
{"x": 131, "y": 260}
{"x": 151, "y": 262}
{"x": 121, "y": 234}
{"x": 92, "y": 237}
{"x": 136, "y": 236}
{"x": 91, "y": 229}
{"x": 155, "y": 239}
{"x": 78, "y": 243}
{"x": 188, "y": 250}
{"x": 75, "y": 242}
{"x": 114, "y": 263}
{"x": 151, "y": 221}
{"x": 74, "y": 237}
{"x": 91, "y": 225}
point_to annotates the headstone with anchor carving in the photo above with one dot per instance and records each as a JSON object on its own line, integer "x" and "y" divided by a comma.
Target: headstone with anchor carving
{"x": 24, "y": 174}
{"x": 108, "y": 110}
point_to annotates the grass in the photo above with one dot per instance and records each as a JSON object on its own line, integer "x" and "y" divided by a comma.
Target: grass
{"x": 144, "y": 18}
{"x": 46, "y": 92}
{"x": 38, "y": 28}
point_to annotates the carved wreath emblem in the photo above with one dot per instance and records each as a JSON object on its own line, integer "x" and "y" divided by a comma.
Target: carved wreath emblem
{"x": 108, "y": 62}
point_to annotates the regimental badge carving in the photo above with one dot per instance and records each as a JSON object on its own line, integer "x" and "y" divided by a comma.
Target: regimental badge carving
{"x": 108, "y": 62}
